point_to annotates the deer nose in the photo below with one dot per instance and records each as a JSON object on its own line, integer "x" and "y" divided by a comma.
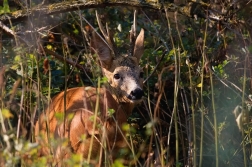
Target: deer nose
{"x": 136, "y": 94}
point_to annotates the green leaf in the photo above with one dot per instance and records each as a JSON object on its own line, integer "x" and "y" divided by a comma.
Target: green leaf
{"x": 6, "y": 7}
{"x": 76, "y": 31}
{"x": 126, "y": 127}
{"x": 59, "y": 116}
{"x": 250, "y": 48}
{"x": 104, "y": 80}
{"x": 199, "y": 85}
{"x": 1, "y": 10}
{"x": 111, "y": 112}
{"x": 49, "y": 47}
{"x": 117, "y": 163}
{"x": 17, "y": 59}
{"x": 6, "y": 113}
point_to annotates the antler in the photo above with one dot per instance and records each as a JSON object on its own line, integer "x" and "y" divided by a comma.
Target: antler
{"x": 133, "y": 34}
{"x": 133, "y": 28}
{"x": 106, "y": 34}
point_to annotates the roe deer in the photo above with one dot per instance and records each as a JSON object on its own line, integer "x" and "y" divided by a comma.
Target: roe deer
{"x": 81, "y": 127}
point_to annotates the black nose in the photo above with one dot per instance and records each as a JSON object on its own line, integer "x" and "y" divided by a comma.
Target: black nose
{"x": 136, "y": 94}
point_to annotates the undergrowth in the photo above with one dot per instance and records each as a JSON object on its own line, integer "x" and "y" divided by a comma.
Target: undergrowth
{"x": 197, "y": 87}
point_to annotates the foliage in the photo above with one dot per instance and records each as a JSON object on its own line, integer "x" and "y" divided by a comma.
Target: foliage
{"x": 199, "y": 72}
{"x": 5, "y": 8}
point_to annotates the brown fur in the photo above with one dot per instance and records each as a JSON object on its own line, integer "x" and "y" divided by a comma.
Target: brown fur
{"x": 121, "y": 95}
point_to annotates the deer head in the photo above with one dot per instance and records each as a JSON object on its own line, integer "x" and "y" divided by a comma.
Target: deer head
{"x": 125, "y": 77}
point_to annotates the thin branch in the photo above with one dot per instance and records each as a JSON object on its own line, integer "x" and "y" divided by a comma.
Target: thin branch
{"x": 74, "y": 64}
{"x": 11, "y": 32}
{"x": 67, "y": 6}
{"x": 164, "y": 53}
{"x": 6, "y": 29}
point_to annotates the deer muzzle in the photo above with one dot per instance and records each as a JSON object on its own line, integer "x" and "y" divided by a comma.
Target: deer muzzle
{"x": 136, "y": 94}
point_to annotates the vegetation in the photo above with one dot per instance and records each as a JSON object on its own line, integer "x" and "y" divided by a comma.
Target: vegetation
{"x": 197, "y": 64}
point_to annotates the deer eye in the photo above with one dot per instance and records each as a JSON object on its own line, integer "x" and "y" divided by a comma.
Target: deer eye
{"x": 117, "y": 76}
{"x": 141, "y": 75}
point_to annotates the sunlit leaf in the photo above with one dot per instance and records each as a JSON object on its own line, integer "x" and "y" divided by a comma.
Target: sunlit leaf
{"x": 199, "y": 85}
{"x": 59, "y": 116}
{"x": 104, "y": 79}
{"x": 111, "y": 112}
{"x": 117, "y": 163}
{"x": 17, "y": 58}
{"x": 6, "y": 113}
{"x": 19, "y": 146}
{"x": 119, "y": 27}
{"x": 76, "y": 31}
{"x": 91, "y": 118}
{"x": 126, "y": 127}
{"x": 49, "y": 47}
{"x": 70, "y": 116}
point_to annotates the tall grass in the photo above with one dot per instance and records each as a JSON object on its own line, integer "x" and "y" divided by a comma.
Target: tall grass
{"x": 186, "y": 117}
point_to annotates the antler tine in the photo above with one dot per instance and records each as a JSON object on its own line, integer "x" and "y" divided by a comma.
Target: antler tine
{"x": 134, "y": 24}
{"x": 133, "y": 33}
{"x": 105, "y": 33}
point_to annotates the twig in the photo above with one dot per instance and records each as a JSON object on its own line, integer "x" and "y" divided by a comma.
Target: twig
{"x": 6, "y": 29}
{"x": 155, "y": 67}
{"x": 11, "y": 32}
{"x": 74, "y": 64}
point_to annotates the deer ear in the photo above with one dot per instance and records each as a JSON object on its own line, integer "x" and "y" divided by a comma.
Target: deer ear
{"x": 102, "y": 50}
{"x": 139, "y": 45}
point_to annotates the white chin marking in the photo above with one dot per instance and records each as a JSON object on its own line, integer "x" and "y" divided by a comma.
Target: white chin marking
{"x": 136, "y": 101}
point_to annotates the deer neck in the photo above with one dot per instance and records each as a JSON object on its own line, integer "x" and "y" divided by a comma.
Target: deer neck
{"x": 122, "y": 110}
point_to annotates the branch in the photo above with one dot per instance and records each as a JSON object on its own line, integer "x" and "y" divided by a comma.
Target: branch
{"x": 74, "y": 64}
{"x": 61, "y": 58}
{"x": 9, "y": 31}
{"x": 68, "y": 6}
